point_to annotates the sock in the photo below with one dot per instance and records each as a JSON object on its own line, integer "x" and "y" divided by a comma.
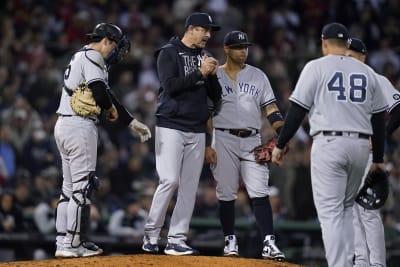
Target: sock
{"x": 263, "y": 214}
{"x": 227, "y": 216}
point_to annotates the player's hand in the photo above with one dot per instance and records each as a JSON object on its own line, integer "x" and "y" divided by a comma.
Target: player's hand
{"x": 277, "y": 156}
{"x": 208, "y": 65}
{"x": 375, "y": 166}
{"x": 210, "y": 155}
{"x": 141, "y": 129}
{"x": 112, "y": 113}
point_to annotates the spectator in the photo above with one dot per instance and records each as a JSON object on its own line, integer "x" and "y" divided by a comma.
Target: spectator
{"x": 129, "y": 221}
{"x": 44, "y": 215}
{"x": 11, "y": 219}
{"x": 7, "y": 154}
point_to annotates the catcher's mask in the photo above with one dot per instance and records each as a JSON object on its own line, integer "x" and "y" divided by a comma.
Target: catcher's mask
{"x": 372, "y": 197}
{"x": 114, "y": 33}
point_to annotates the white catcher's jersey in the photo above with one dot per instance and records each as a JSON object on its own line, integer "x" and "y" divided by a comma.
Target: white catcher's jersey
{"x": 242, "y": 102}
{"x": 86, "y": 65}
{"x": 391, "y": 95}
{"x": 341, "y": 94}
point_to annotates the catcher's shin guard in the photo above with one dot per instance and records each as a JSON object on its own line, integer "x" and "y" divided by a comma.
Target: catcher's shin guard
{"x": 61, "y": 218}
{"x": 82, "y": 198}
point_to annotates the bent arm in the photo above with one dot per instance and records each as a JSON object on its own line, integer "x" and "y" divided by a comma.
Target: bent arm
{"x": 168, "y": 72}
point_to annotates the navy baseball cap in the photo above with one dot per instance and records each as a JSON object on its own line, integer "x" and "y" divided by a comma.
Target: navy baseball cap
{"x": 236, "y": 38}
{"x": 358, "y": 46}
{"x": 201, "y": 19}
{"x": 335, "y": 31}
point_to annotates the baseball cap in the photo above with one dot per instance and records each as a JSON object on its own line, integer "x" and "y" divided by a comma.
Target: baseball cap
{"x": 236, "y": 38}
{"x": 358, "y": 46}
{"x": 335, "y": 31}
{"x": 201, "y": 19}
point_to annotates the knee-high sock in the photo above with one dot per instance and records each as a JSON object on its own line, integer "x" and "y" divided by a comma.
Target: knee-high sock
{"x": 263, "y": 214}
{"x": 227, "y": 216}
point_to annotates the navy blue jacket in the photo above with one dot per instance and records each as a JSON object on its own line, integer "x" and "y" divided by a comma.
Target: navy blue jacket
{"x": 182, "y": 97}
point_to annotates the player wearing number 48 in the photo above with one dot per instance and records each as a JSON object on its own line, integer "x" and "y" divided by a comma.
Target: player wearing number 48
{"x": 345, "y": 107}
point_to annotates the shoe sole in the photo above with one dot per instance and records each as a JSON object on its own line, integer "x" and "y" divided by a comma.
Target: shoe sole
{"x": 61, "y": 255}
{"x": 99, "y": 252}
{"x": 149, "y": 250}
{"x": 177, "y": 253}
{"x": 231, "y": 254}
{"x": 274, "y": 258}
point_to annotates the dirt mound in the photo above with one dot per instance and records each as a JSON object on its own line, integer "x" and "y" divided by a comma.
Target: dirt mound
{"x": 141, "y": 260}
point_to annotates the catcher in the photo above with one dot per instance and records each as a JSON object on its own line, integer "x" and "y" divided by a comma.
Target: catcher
{"x": 247, "y": 96}
{"x": 86, "y": 93}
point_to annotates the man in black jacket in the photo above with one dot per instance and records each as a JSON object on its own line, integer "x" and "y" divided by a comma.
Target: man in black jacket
{"x": 188, "y": 79}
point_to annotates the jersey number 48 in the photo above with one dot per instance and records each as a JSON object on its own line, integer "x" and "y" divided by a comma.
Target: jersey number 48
{"x": 356, "y": 88}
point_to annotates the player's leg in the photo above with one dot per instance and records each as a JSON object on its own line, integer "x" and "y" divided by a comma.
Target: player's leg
{"x": 192, "y": 164}
{"x": 81, "y": 147}
{"x": 255, "y": 177}
{"x": 360, "y": 244}
{"x": 169, "y": 146}
{"x": 375, "y": 236}
{"x": 371, "y": 240}
{"x": 65, "y": 195}
{"x": 333, "y": 191}
{"x": 357, "y": 168}
{"x": 226, "y": 174}
{"x": 361, "y": 253}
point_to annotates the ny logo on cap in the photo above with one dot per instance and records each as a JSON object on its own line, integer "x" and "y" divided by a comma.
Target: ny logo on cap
{"x": 241, "y": 36}
{"x": 209, "y": 19}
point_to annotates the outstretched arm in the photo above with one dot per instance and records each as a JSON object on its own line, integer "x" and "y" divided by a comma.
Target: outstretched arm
{"x": 292, "y": 122}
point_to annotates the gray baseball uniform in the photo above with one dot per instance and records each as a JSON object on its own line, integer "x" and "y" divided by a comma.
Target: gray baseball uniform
{"x": 235, "y": 158}
{"x": 340, "y": 94}
{"x": 76, "y": 139}
{"x": 76, "y": 136}
{"x": 247, "y": 97}
{"x": 369, "y": 242}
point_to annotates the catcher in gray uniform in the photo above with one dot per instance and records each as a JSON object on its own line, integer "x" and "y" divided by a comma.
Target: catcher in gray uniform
{"x": 346, "y": 107}
{"x": 247, "y": 96}
{"x": 76, "y": 134}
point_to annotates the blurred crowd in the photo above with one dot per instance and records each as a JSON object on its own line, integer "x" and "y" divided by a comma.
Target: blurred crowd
{"x": 37, "y": 39}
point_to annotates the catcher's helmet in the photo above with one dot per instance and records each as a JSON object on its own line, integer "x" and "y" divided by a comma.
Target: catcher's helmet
{"x": 373, "y": 196}
{"x": 108, "y": 30}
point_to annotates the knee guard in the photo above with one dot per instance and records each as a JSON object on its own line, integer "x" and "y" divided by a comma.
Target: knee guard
{"x": 82, "y": 198}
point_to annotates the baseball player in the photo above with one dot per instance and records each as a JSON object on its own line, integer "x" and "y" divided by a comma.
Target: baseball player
{"x": 76, "y": 137}
{"x": 246, "y": 97}
{"x": 369, "y": 235}
{"x": 187, "y": 77}
{"x": 345, "y": 107}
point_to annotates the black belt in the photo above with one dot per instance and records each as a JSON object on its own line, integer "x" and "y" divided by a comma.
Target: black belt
{"x": 334, "y": 133}
{"x": 239, "y": 132}
{"x": 69, "y": 115}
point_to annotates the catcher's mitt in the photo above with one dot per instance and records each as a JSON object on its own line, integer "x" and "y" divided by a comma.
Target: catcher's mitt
{"x": 263, "y": 152}
{"x": 83, "y": 103}
{"x": 375, "y": 190}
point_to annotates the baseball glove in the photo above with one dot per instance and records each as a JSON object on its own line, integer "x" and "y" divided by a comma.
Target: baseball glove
{"x": 83, "y": 103}
{"x": 375, "y": 190}
{"x": 263, "y": 152}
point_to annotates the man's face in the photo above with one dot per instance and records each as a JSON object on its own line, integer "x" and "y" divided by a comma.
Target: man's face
{"x": 237, "y": 54}
{"x": 199, "y": 36}
{"x": 111, "y": 45}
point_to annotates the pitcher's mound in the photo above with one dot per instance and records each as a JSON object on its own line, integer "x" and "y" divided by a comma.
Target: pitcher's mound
{"x": 141, "y": 260}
